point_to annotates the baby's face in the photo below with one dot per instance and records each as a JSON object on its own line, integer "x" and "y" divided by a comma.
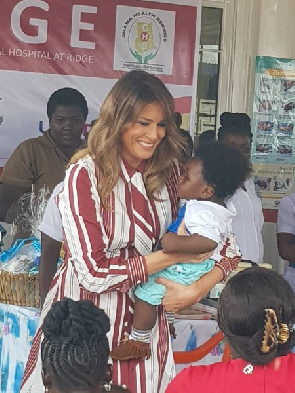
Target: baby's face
{"x": 191, "y": 183}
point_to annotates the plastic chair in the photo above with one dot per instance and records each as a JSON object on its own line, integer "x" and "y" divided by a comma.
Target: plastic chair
{"x": 181, "y": 357}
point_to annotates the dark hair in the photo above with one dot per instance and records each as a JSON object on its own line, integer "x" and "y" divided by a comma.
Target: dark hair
{"x": 234, "y": 124}
{"x": 206, "y": 136}
{"x": 121, "y": 108}
{"x": 178, "y": 119}
{"x": 67, "y": 97}
{"x": 224, "y": 167}
{"x": 75, "y": 347}
{"x": 241, "y": 312}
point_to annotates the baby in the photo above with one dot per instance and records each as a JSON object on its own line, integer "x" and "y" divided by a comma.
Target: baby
{"x": 210, "y": 178}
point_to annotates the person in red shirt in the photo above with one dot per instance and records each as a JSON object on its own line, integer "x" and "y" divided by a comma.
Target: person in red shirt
{"x": 256, "y": 314}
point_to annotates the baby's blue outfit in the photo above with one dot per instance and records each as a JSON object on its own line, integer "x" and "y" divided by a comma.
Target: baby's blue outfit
{"x": 183, "y": 273}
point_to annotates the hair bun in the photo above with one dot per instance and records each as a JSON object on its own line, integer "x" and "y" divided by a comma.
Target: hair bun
{"x": 76, "y": 320}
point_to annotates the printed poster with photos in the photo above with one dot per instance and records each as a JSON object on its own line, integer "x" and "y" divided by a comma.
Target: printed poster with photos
{"x": 273, "y": 147}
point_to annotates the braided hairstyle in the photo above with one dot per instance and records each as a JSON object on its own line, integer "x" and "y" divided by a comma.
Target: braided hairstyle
{"x": 241, "y": 313}
{"x": 234, "y": 124}
{"x": 75, "y": 347}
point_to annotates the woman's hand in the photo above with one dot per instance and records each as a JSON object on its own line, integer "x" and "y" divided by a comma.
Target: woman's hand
{"x": 180, "y": 296}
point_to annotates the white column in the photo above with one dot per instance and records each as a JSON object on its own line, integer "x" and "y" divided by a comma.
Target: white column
{"x": 277, "y": 28}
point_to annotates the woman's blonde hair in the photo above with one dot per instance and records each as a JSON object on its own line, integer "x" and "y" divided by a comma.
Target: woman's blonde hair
{"x": 121, "y": 108}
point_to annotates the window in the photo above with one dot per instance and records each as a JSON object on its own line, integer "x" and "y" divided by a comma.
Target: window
{"x": 208, "y": 71}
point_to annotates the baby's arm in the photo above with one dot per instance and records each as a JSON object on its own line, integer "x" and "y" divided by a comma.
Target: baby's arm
{"x": 193, "y": 244}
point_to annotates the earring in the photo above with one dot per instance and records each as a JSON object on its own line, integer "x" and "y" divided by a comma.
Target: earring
{"x": 107, "y": 386}
{"x": 283, "y": 333}
{"x": 47, "y": 389}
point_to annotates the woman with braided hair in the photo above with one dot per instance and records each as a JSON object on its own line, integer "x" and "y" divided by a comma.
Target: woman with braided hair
{"x": 257, "y": 315}
{"x": 75, "y": 349}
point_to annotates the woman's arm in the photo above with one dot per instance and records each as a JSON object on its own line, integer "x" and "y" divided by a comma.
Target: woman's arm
{"x": 50, "y": 251}
{"x": 158, "y": 260}
{"x": 180, "y": 296}
{"x": 51, "y": 241}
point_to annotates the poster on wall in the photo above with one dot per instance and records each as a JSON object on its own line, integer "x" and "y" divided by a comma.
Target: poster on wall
{"x": 88, "y": 45}
{"x": 273, "y": 126}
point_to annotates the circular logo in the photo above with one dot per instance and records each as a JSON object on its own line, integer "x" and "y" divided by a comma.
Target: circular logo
{"x": 144, "y": 39}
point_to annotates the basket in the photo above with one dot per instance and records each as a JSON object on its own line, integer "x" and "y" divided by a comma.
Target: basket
{"x": 19, "y": 289}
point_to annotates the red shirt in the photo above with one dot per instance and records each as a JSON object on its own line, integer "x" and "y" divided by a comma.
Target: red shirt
{"x": 276, "y": 377}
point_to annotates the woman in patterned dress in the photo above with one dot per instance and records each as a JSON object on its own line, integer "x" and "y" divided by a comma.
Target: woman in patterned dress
{"x": 118, "y": 198}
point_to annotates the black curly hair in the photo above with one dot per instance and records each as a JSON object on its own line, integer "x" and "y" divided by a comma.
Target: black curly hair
{"x": 234, "y": 124}
{"x": 224, "y": 167}
{"x": 67, "y": 96}
{"x": 241, "y": 312}
{"x": 75, "y": 347}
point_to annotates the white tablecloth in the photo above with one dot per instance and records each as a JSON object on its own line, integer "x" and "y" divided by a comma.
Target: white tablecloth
{"x": 18, "y": 326}
{"x": 17, "y": 329}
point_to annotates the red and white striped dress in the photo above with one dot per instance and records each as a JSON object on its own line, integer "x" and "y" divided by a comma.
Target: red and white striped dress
{"x": 104, "y": 261}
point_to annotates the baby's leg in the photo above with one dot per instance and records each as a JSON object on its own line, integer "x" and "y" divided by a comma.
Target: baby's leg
{"x": 145, "y": 315}
{"x": 171, "y": 318}
{"x": 137, "y": 346}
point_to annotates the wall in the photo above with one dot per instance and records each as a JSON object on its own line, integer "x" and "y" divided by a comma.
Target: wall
{"x": 277, "y": 29}
{"x": 251, "y": 28}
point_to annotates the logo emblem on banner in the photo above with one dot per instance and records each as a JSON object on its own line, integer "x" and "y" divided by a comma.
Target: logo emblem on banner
{"x": 144, "y": 40}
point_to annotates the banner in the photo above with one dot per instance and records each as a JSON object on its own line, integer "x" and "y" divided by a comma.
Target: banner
{"x": 48, "y": 45}
{"x": 273, "y": 125}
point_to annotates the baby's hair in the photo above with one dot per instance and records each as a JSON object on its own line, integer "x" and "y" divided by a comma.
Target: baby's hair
{"x": 67, "y": 96}
{"x": 234, "y": 124}
{"x": 224, "y": 167}
{"x": 75, "y": 347}
{"x": 241, "y": 312}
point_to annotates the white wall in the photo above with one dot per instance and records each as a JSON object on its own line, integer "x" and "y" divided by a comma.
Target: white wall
{"x": 251, "y": 28}
{"x": 277, "y": 28}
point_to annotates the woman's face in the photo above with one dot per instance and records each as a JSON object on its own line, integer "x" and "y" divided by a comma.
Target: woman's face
{"x": 140, "y": 140}
{"x": 242, "y": 142}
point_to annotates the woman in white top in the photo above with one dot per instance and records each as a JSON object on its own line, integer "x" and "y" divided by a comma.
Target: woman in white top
{"x": 247, "y": 225}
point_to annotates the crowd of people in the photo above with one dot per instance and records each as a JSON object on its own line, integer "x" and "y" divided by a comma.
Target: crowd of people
{"x": 147, "y": 227}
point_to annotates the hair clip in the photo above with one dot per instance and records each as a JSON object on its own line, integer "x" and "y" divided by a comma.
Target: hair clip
{"x": 270, "y": 333}
{"x": 273, "y": 334}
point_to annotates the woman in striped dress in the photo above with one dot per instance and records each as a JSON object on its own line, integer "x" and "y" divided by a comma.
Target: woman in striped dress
{"x": 118, "y": 198}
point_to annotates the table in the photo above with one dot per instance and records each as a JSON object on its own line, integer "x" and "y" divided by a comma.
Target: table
{"x": 17, "y": 329}
{"x": 19, "y": 324}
